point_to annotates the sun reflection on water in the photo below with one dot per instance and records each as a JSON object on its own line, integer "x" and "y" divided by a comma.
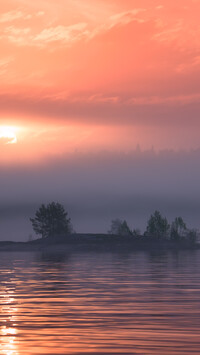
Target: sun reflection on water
{"x": 8, "y": 331}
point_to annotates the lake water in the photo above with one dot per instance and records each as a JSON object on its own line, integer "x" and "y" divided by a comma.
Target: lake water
{"x": 100, "y": 303}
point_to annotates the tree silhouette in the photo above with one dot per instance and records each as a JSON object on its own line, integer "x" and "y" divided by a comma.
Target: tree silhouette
{"x": 51, "y": 221}
{"x": 178, "y": 229}
{"x": 157, "y": 226}
{"x": 119, "y": 227}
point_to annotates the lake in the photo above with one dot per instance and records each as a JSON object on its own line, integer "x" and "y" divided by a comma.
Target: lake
{"x": 100, "y": 303}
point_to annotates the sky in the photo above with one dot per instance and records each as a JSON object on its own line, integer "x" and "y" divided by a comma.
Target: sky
{"x": 84, "y": 82}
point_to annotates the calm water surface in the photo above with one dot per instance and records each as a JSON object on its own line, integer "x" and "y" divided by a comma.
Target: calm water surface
{"x": 90, "y": 303}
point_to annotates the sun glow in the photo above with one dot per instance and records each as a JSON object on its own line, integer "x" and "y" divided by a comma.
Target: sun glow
{"x": 9, "y": 134}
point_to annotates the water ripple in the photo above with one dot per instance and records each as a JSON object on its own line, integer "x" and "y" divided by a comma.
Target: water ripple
{"x": 129, "y": 303}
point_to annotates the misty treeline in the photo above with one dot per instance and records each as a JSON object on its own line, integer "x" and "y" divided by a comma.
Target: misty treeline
{"x": 157, "y": 227}
{"x": 52, "y": 220}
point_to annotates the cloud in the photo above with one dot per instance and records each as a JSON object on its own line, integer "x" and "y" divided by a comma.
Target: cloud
{"x": 4, "y": 64}
{"x": 123, "y": 67}
{"x": 101, "y": 98}
{"x": 18, "y": 36}
{"x": 14, "y": 15}
{"x": 105, "y": 110}
{"x": 40, "y": 13}
{"x": 117, "y": 19}
{"x": 14, "y": 31}
{"x": 64, "y": 34}
{"x": 159, "y": 100}
{"x": 159, "y": 7}
{"x": 61, "y": 33}
{"x": 126, "y": 17}
{"x": 170, "y": 33}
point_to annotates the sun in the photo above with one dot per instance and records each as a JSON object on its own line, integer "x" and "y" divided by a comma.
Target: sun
{"x": 8, "y": 133}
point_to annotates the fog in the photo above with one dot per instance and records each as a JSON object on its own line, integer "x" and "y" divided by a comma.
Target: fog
{"x": 96, "y": 188}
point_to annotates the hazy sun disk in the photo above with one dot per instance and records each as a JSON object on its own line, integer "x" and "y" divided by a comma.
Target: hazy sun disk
{"x": 8, "y": 133}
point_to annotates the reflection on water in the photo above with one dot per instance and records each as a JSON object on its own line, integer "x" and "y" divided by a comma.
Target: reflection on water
{"x": 134, "y": 303}
{"x": 8, "y": 318}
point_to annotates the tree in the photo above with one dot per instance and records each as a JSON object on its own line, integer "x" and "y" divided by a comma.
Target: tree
{"x": 119, "y": 227}
{"x": 157, "y": 226}
{"x": 51, "y": 221}
{"x": 178, "y": 229}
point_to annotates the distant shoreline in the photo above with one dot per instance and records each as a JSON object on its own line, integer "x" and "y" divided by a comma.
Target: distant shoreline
{"x": 99, "y": 242}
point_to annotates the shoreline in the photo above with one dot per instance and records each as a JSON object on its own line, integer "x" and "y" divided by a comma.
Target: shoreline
{"x": 99, "y": 242}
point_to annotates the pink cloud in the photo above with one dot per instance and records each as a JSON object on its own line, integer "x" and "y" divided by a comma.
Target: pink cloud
{"x": 100, "y": 60}
{"x": 64, "y": 34}
{"x": 14, "y": 15}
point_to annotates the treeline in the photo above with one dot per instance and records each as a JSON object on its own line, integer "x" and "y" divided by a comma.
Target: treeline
{"x": 157, "y": 227}
{"x": 52, "y": 220}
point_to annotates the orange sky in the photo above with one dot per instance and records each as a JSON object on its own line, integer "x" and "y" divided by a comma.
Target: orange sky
{"x": 99, "y": 74}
